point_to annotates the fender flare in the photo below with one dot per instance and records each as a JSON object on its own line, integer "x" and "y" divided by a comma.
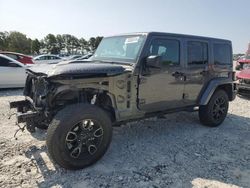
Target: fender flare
{"x": 210, "y": 88}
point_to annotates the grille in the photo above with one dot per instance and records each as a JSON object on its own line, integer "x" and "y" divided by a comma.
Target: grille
{"x": 40, "y": 86}
{"x": 38, "y": 91}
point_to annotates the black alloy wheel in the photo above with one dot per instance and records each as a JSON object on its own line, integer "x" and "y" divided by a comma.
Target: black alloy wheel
{"x": 214, "y": 113}
{"x": 84, "y": 138}
{"x": 79, "y": 135}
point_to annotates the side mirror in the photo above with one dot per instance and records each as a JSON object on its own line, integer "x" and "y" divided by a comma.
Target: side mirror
{"x": 154, "y": 61}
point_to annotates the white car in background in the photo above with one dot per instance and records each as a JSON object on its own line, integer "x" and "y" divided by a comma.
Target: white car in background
{"x": 87, "y": 56}
{"x": 12, "y": 73}
{"x": 47, "y": 59}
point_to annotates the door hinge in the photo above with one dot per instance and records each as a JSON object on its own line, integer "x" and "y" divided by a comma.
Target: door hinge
{"x": 185, "y": 96}
{"x": 142, "y": 101}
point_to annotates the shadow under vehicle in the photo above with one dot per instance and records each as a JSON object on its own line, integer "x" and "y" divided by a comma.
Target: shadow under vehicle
{"x": 129, "y": 77}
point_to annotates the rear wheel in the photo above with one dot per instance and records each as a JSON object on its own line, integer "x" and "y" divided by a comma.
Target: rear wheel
{"x": 79, "y": 135}
{"x": 214, "y": 113}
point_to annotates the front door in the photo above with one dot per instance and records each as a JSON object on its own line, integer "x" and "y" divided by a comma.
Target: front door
{"x": 162, "y": 88}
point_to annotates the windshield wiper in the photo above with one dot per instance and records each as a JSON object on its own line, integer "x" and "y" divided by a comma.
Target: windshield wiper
{"x": 115, "y": 62}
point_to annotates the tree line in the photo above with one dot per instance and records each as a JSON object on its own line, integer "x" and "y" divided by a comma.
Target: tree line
{"x": 15, "y": 41}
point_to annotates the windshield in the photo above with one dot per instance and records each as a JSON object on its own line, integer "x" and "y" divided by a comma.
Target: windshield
{"x": 248, "y": 57}
{"x": 119, "y": 48}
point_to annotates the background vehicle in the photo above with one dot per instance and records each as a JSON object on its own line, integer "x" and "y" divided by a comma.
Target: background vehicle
{"x": 73, "y": 57}
{"x": 244, "y": 82}
{"x": 19, "y": 57}
{"x": 64, "y": 56}
{"x": 87, "y": 56}
{"x": 73, "y": 61}
{"x": 129, "y": 77}
{"x": 243, "y": 62}
{"x": 12, "y": 73}
{"x": 47, "y": 59}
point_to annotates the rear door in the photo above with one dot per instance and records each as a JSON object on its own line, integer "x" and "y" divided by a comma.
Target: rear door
{"x": 197, "y": 71}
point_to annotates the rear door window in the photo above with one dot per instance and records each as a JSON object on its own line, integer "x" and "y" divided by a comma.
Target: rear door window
{"x": 197, "y": 53}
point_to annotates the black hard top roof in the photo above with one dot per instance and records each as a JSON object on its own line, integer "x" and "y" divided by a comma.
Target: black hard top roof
{"x": 173, "y": 35}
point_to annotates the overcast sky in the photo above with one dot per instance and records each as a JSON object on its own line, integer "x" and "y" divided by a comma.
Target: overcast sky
{"x": 229, "y": 19}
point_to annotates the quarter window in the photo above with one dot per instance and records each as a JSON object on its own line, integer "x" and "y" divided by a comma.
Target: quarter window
{"x": 222, "y": 54}
{"x": 168, "y": 49}
{"x": 197, "y": 53}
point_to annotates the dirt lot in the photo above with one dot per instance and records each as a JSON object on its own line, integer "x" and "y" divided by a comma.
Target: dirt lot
{"x": 172, "y": 152}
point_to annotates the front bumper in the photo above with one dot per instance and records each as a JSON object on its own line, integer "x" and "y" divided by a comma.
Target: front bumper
{"x": 25, "y": 111}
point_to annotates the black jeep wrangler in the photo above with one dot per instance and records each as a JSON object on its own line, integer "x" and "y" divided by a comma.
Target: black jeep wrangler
{"x": 129, "y": 77}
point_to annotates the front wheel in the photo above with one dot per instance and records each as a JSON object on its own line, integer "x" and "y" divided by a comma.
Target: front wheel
{"x": 78, "y": 136}
{"x": 214, "y": 113}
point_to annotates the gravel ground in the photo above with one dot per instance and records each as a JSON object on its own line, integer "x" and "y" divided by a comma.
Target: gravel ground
{"x": 172, "y": 152}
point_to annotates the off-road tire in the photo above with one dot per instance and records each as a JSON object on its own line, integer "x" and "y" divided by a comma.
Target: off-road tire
{"x": 206, "y": 112}
{"x": 62, "y": 124}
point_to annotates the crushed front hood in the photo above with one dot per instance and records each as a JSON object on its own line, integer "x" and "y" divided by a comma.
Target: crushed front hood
{"x": 78, "y": 69}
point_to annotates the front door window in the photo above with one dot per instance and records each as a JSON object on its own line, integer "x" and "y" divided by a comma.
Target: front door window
{"x": 168, "y": 49}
